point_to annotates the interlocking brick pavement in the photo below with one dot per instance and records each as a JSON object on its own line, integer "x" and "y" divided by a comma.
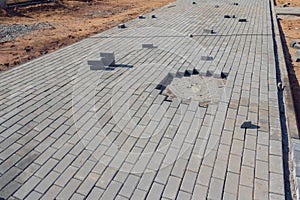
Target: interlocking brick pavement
{"x": 68, "y": 132}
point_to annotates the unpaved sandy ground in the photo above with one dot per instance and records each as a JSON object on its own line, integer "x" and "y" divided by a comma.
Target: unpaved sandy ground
{"x": 291, "y": 31}
{"x": 292, "y": 2}
{"x": 66, "y": 22}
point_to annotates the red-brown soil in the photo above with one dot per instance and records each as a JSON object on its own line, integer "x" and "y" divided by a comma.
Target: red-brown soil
{"x": 71, "y": 21}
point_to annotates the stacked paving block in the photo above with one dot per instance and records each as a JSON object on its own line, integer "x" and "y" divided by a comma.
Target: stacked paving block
{"x": 148, "y": 46}
{"x": 106, "y": 59}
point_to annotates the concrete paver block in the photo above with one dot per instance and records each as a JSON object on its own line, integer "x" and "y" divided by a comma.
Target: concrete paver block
{"x": 246, "y": 124}
{"x": 208, "y": 30}
{"x": 296, "y": 58}
{"x": 121, "y": 26}
{"x": 242, "y": 20}
{"x": 229, "y": 16}
{"x": 148, "y": 46}
{"x": 106, "y": 59}
{"x": 295, "y": 44}
{"x": 207, "y": 58}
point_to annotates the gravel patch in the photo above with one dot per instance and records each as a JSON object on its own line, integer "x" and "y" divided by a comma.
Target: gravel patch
{"x": 9, "y": 32}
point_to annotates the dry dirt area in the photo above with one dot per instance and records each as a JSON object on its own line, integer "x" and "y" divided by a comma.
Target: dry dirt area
{"x": 292, "y": 2}
{"x": 291, "y": 31}
{"x": 31, "y": 31}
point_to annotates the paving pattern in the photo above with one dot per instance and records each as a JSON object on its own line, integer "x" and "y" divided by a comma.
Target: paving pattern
{"x": 69, "y": 132}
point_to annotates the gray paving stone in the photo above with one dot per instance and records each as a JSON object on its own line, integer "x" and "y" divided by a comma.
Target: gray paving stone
{"x": 275, "y": 165}
{"x": 245, "y": 192}
{"x": 199, "y": 192}
{"x": 276, "y": 196}
{"x": 247, "y": 176}
{"x": 27, "y": 160}
{"x": 193, "y": 165}
{"x": 210, "y": 156}
{"x": 119, "y": 197}
{"x": 229, "y": 196}
{"x": 184, "y": 195}
{"x": 66, "y": 176}
{"x": 44, "y": 146}
{"x": 64, "y": 163}
{"x": 27, "y": 173}
{"x": 138, "y": 194}
{"x": 237, "y": 147}
{"x": 106, "y": 177}
{"x": 9, "y": 176}
{"x": 7, "y": 164}
{"x": 62, "y": 151}
{"x": 188, "y": 181}
{"x": 275, "y": 134}
{"x": 8, "y": 190}
{"x": 121, "y": 176}
{"x": 250, "y": 142}
{"x": 74, "y": 141}
{"x": 275, "y": 148}
{"x": 88, "y": 184}
{"x": 261, "y": 189}
{"x": 27, "y": 148}
{"x": 46, "y": 168}
{"x": 47, "y": 182}
{"x": 6, "y": 142}
{"x": 226, "y": 137}
{"x": 163, "y": 174}
{"x": 229, "y": 124}
{"x": 27, "y": 187}
{"x": 129, "y": 186}
{"x": 7, "y": 152}
{"x": 172, "y": 187}
{"x": 262, "y": 170}
{"x": 81, "y": 158}
{"x": 141, "y": 163}
{"x": 57, "y": 121}
{"x": 84, "y": 170}
{"x": 155, "y": 191}
{"x": 220, "y": 164}
{"x": 70, "y": 188}
{"x": 276, "y": 184}
{"x": 112, "y": 190}
{"x": 248, "y": 158}
{"x": 45, "y": 155}
{"x": 156, "y": 161}
{"x": 77, "y": 196}
{"x": 95, "y": 193}
{"x": 223, "y": 152}
{"x": 215, "y": 188}
{"x": 146, "y": 181}
{"x": 262, "y": 153}
{"x": 34, "y": 195}
{"x": 231, "y": 184}
{"x": 204, "y": 175}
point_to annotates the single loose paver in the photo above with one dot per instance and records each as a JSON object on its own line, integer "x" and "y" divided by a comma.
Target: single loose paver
{"x": 161, "y": 122}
